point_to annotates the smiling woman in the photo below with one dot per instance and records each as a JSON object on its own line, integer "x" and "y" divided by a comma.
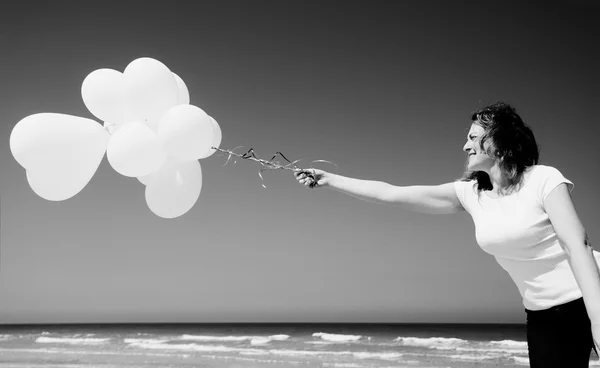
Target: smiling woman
{"x": 524, "y": 217}
{"x": 499, "y": 134}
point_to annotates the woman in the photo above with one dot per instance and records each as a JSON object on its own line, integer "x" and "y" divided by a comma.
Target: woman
{"x": 524, "y": 216}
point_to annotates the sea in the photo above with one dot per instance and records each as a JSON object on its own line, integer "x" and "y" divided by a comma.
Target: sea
{"x": 265, "y": 346}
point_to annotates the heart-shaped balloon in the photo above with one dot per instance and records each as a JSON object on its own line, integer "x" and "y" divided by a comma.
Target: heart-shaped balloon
{"x": 60, "y": 152}
{"x": 150, "y": 90}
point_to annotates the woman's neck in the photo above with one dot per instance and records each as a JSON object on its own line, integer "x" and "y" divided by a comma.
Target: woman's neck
{"x": 499, "y": 182}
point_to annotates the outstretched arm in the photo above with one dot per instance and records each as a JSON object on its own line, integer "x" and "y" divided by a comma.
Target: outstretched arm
{"x": 434, "y": 199}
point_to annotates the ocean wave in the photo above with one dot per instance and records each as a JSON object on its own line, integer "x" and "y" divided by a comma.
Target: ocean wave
{"x": 254, "y": 340}
{"x": 510, "y": 343}
{"x": 250, "y": 351}
{"x": 190, "y": 347}
{"x": 358, "y": 355}
{"x": 337, "y": 337}
{"x": 431, "y": 342}
{"x": 521, "y": 360}
{"x": 5, "y": 337}
{"x": 71, "y": 340}
{"x": 280, "y": 337}
{"x": 79, "y": 352}
{"x": 470, "y": 357}
{"x": 342, "y": 365}
{"x": 258, "y": 352}
{"x": 493, "y": 350}
{"x": 261, "y": 361}
{"x": 213, "y": 338}
{"x": 383, "y": 355}
{"x": 145, "y": 341}
{"x": 260, "y": 341}
{"x": 440, "y": 343}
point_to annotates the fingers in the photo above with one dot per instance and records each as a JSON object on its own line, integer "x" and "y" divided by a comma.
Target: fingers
{"x": 306, "y": 177}
{"x": 301, "y": 174}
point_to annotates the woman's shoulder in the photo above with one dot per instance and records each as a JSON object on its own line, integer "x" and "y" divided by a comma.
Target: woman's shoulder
{"x": 541, "y": 171}
{"x": 545, "y": 176}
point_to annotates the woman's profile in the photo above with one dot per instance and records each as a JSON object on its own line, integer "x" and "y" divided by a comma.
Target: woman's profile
{"x": 523, "y": 216}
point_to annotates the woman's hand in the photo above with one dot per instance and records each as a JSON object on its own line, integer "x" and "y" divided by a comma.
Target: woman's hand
{"x": 312, "y": 177}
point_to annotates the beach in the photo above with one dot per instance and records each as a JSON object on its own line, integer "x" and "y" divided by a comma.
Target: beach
{"x": 264, "y": 345}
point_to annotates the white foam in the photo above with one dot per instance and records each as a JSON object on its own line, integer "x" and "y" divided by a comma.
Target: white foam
{"x": 320, "y": 342}
{"x": 84, "y": 335}
{"x": 279, "y": 337}
{"x": 144, "y": 341}
{"x": 383, "y": 356}
{"x": 287, "y": 352}
{"x": 160, "y": 345}
{"x": 252, "y": 360}
{"x": 190, "y": 347}
{"x": 521, "y": 360}
{"x": 337, "y": 337}
{"x": 71, "y": 341}
{"x": 258, "y": 352}
{"x": 214, "y": 338}
{"x": 358, "y": 355}
{"x": 511, "y": 343}
{"x": 433, "y": 342}
{"x": 254, "y": 340}
{"x": 470, "y": 357}
{"x": 494, "y": 350}
{"x": 260, "y": 341}
{"x": 343, "y": 365}
{"x": 79, "y": 352}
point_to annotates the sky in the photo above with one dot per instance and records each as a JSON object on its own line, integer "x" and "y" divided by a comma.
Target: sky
{"x": 384, "y": 89}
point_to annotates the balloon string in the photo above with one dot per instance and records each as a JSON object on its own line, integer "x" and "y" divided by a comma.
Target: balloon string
{"x": 270, "y": 164}
{"x": 267, "y": 164}
{"x": 109, "y": 129}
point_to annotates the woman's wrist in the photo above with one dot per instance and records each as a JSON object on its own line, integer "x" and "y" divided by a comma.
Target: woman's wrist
{"x": 331, "y": 180}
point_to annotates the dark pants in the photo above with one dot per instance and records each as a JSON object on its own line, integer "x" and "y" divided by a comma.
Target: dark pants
{"x": 560, "y": 336}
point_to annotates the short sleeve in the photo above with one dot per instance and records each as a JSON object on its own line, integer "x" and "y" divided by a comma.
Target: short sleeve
{"x": 550, "y": 179}
{"x": 464, "y": 191}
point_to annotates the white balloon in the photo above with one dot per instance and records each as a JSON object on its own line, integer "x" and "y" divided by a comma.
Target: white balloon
{"x": 60, "y": 152}
{"x": 103, "y": 93}
{"x": 150, "y": 90}
{"x": 183, "y": 94}
{"x": 174, "y": 188}
{"x": 57, "y": 186}
{"x": 144, "y": 179}
{"x": 217, "y": 137}
{"x": 134, "y": 150}
{"x": 186, "y": 132}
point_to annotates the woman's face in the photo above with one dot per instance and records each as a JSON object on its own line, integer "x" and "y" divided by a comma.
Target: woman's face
{"x": 478, "y": 158}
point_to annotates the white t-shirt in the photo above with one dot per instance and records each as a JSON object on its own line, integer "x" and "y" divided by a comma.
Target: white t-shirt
{"x": 516, "y": 230}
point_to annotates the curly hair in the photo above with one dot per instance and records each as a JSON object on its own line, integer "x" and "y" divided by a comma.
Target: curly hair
{"x": 511, "y": 142}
